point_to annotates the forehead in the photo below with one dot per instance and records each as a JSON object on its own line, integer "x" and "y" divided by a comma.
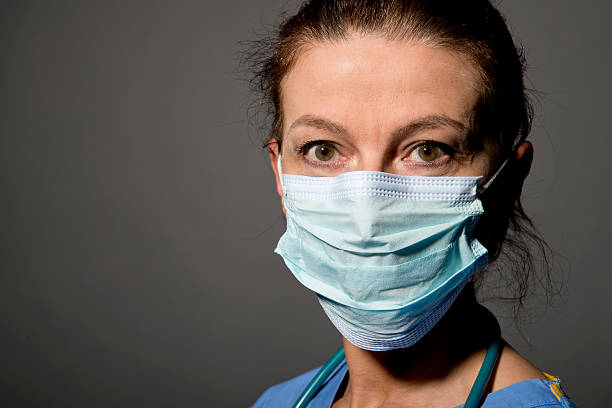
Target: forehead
{"x": 371, "y": 82}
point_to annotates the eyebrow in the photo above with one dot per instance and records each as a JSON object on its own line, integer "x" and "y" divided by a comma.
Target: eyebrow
{"x": 318, "y": 123}
{"x": 425, "y": 122}
{"x": 429, "y": 122}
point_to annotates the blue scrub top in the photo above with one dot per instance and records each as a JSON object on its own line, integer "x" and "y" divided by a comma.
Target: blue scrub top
{"x": 526, "y": 394}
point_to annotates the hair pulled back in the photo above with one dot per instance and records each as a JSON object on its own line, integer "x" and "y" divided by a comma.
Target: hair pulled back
{"x": 503, "y": 112}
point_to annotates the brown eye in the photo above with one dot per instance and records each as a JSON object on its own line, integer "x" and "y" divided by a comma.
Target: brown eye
{"x": 324, "y": 152}
{"x": 428, "y": 152}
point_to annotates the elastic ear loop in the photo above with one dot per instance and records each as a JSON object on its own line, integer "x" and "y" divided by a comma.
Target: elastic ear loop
{"x": 280, "y": 172}
{"x": 492, "y": 179}
{"x": 484, "y": 188}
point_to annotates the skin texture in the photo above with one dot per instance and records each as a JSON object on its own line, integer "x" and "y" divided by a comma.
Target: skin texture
{"x": 368, "y": 103}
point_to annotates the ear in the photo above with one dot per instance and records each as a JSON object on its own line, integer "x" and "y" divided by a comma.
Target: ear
{"x": 273, "y": 153}
{"x": 523, "y": 158}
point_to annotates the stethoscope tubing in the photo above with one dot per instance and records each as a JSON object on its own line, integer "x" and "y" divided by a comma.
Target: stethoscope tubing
{"x": 319, "y": 379}
{"x": 473, "y": 400}
{"x": 484, "y": 375}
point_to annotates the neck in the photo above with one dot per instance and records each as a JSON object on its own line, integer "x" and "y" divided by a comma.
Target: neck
{"x": 444, "y": 359}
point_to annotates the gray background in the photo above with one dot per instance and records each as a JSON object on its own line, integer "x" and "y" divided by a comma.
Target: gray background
{"x": 138, "y": 214}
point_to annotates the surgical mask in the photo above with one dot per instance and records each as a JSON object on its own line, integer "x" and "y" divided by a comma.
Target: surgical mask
{"x": 386, "y": 254}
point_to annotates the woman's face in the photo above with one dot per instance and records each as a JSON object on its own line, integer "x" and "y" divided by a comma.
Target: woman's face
{"x": 368, "y": 103}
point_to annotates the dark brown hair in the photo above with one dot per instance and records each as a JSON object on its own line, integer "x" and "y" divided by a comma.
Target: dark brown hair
{"x": 503, "y": 113}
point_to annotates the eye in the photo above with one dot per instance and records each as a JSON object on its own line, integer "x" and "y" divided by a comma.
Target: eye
{"x": 427, "y": 152}
{"x": 319, "y": 151}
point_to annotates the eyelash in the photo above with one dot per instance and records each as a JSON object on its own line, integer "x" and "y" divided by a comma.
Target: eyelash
{"x": 305, "y": 147}
{"x": 446, "y": 149}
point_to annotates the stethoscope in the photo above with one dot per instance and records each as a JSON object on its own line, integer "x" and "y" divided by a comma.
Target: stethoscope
{"x": 473, "y": 400}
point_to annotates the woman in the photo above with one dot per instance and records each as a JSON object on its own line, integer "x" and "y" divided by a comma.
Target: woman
{"x": 399, "y": 153}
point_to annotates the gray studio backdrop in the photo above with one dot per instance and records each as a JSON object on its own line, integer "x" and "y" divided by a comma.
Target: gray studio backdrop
{"x": 138, "y": 213}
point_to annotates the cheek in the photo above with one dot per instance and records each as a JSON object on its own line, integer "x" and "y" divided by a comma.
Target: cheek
{"x": 491, "y": 159}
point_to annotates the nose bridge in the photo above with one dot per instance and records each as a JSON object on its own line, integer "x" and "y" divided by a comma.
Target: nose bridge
{"x": 374, "y": 157}
{"x": 373, "y": 142}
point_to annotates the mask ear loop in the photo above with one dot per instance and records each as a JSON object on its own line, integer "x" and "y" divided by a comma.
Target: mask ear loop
{"x": 280, "y": 172}
{"x": 484, "y": 188}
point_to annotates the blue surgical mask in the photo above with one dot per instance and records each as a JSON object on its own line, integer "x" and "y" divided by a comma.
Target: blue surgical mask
{"x": 386, "y": 254}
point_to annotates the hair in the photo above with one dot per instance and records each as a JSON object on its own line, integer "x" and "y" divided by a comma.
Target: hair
{"x": 502, "y": 115}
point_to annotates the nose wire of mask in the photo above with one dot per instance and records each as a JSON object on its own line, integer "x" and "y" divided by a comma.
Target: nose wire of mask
{"x": 386, "y": 254}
